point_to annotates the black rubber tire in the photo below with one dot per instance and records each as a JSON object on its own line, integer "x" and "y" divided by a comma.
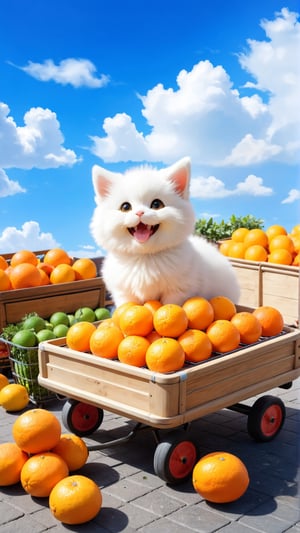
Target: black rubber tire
{"x": 80, "y": 418}
{"x": 266, "y": 418}
{"x": 175, "y": 458}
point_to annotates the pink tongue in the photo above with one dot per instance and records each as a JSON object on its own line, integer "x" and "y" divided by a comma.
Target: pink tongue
{"x": 142, "y": 232}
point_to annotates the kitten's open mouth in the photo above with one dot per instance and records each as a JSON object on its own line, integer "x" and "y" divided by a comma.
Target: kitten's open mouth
{"x": 142, "y": 232}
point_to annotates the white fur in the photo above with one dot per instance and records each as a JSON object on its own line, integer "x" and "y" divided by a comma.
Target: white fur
{"x": 172, "y": 264}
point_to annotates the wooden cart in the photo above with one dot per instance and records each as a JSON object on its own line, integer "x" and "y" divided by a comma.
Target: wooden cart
{"x": 172, "y": 401}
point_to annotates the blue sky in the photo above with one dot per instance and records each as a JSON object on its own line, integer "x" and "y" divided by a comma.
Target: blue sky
{"x": 121, "y": 83}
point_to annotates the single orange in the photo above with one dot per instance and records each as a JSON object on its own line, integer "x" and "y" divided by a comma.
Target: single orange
{"x": 75, "y": 500}
{"x": 3, "y": 263}
{"x": 224, "y": 246}
{"x": 36, "y": 430}
{"x": 296, "y": 230}
{"x": 73, "y": 451}
{"x": 248, "y": 325}
{"x": 42, "y": 472}
{"x": 199, "y": 312}
{"x": 62, "y": 274}
{"x": 25, "y": 275}
{"x": 256, "y": 236}
{"x": 170, "y": 320}
{"x": 282, "y": 242}
{"x": 136, "y": 320}
{"x": 274, "y": 230}
{"x": 5, "y": 284}
{"x": 105, "y": 340}
{"x": 153, "y": 305}
{"x": 223, "y": 307}
{"x": 12, "y": 459}
{"x": 220, "y": 477}
{"x": 280, "y": 256}
{"x": 237, "y": 250}
{"x": 45, "y": 267}
{"x": 79, "y": 335}
{"x": 85, "y": 268}
{"x": 256, "y": 252}
{"x": 271, "y": 320}
{"x": 224, "y": 336}
{"x": 119, "y": 310}
{"x": 45, "y": 280}
{"x": 296, "y": 260}
{"x": 165, "y": 355}
{"x": 239, "y": 234}
{"x": 23, "y": 256}
{"x": 14, "y": 397}
{"x": 132, "y": 350}
{"x": 3, "y": 381}
{"x": 153, "y": 336}
{"x": 196, "y": 345}
{"x": 57, "y": 256}
{"x": 296, "y": 242}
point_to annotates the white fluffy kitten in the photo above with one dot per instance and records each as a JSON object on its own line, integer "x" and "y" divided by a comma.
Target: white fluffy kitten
{"x": 145, "y": 222}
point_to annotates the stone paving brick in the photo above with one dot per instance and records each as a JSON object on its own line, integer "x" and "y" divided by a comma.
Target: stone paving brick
{"x": 158, "y": 503}
{"x": 199, "y": 518}
{"x": 8, "y": 513}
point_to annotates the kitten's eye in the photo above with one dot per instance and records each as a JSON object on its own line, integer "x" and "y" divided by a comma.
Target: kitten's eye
{"x": 126, "y": 206}
{"x": 157, "y": 204}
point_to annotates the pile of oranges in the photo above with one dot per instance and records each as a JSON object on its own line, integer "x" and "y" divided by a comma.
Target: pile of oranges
{"x": 274, "y": 245}
{"x": 41, "y": 458}
{"x": 165, "y": 337}
{"x": 25, "y": 269}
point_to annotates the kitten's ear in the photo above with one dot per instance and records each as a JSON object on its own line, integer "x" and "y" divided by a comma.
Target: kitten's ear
{"x": 179, "y": 175}
{"x": 102, "y": 180}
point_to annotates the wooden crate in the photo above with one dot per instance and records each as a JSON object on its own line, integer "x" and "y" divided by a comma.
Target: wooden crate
{"x": 47, "y": 299}
{"x": 169, "y": 400}
{"x": 269, "y": 284}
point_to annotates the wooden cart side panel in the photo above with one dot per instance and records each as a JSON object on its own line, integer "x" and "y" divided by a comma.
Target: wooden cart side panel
{"x": 239, "y": 371}
{"x": 106, "y": 384}
{"x": 282, "y": 293}
{"x": 224, "y": 386}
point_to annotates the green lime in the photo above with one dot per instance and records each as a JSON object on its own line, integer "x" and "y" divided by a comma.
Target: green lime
{"x": 60, "y": 330}
{"x": 72, "y": 320}
{"x": 85, "y": 314}
{"x": 59, "y": 317}
{"x": 45, "y": 335}
{"x": 102, "y": 313}
{"x": 36, "y": 323}
{"x": 25, "y": 337}
{"x": 48, "y": 325}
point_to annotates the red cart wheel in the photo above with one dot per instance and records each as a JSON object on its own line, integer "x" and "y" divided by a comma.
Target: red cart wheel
{"x": 266, "y": 418}
{"x": 175, "y": 458}
{"x": 81, "y": 418}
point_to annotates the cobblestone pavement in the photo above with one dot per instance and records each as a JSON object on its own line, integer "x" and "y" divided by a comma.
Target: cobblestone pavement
{"x": 135, "y": 499}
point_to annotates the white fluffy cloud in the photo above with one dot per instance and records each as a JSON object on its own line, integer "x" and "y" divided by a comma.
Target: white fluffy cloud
{"x": 293, "y": 196}
{"x": 213, "y": 188}
{"x": 207, "y": 118}
{"x": 76, "y": 72}
{"x": 39, "y": 143}
{"x": 29, "y": 237}
{"x": 8, "y": 187}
